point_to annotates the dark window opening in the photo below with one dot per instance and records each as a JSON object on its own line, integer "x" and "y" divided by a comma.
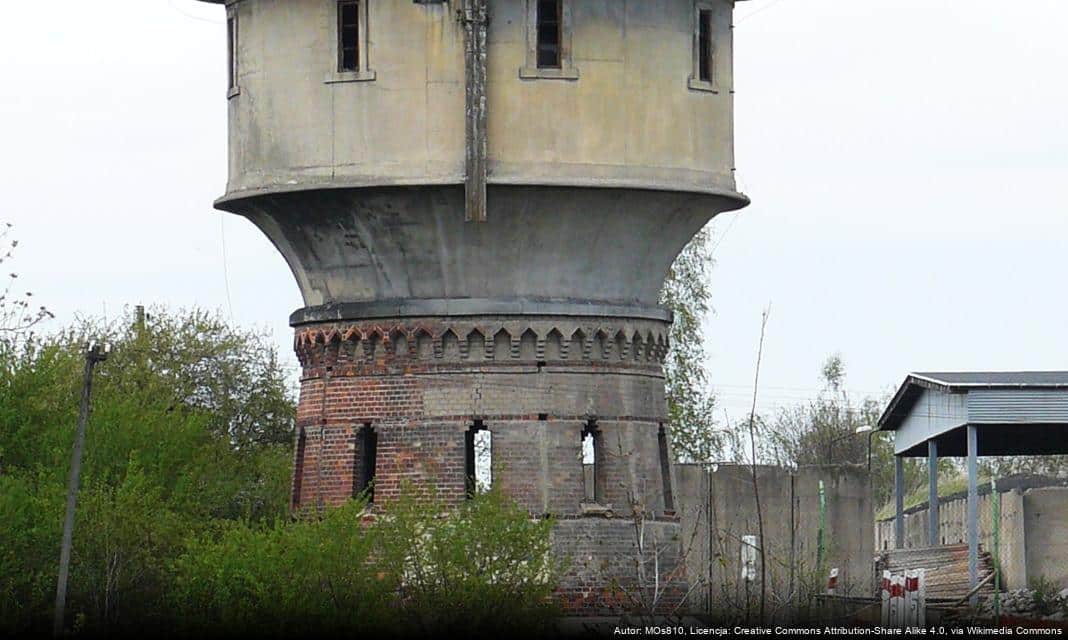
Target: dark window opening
{"x": 550, "y": 19}
{"x": 592, "y": 451}
{"x": 478, "y": 459}
{"x": 298, "y": 472}
{"x": 366, "y": 462}
{"x": 665, "y": 469}
{"x": 542, "y": 417}
{"x": 348, "y": 35}
{"x": 231, "y": 50}
{"x": 704, "y": 46}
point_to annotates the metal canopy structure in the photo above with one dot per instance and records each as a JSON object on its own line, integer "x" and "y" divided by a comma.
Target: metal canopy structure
{"x": 973, "y": 414}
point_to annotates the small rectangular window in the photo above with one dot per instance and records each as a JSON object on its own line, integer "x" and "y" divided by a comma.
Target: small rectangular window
{"x": 705, "y": 46}
{"x": 348, "y": 35}
{"x": 549, "y": 30}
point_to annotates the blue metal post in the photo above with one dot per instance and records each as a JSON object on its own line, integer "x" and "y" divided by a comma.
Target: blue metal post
{"x": 973, "y": 504}
{"x": 899, "y": 499}
{"x": 932, "y": 493}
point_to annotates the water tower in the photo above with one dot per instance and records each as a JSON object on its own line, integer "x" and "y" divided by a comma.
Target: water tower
{"x": 480, "y": 200}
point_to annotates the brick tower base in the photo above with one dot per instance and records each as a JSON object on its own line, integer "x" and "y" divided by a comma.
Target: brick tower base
{"x": 405, "y": 397}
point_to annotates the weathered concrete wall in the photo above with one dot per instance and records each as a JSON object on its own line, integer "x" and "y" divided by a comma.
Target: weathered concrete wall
{"x": 626, "y": 115}
{"x": 396, "y": 244}
{"x": 850, "y": 521}
{"x": 1046, "y": 529}
{"x": 723, "y": 497}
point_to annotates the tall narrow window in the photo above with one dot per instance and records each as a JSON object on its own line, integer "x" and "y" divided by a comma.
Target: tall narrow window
{"x": 591, "y": 467}
{"x": 705, "y": 52}
{"x": 665, "y": 469}
{"x": 548, "y": 41}
{"x": 366, "y": 462}
{"x": 348, "y": 35}
{"x": 703, "y": 76}
{"x": 478, "y": 459}
{"x": 231, "y": 52}
{"x": 550, "y": 22}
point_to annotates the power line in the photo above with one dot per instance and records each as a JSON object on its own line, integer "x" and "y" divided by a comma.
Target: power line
{"x": 170, "y": 3}
{"x": 724, "y": 235}
{"x": 760, "y": 10}
{"x": 226, "y": 270}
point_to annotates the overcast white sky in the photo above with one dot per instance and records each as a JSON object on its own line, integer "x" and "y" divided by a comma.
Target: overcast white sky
{"x": 907, "y": 161}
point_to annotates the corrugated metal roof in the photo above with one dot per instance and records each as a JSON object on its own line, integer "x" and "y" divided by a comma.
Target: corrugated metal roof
{"x": 964, "y": 381}
{"x": 997, "y": 378}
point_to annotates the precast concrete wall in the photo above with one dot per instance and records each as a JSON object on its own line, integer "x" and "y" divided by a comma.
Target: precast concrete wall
{"x": 718, "y": 509}
{"x": 1046, "y": 534}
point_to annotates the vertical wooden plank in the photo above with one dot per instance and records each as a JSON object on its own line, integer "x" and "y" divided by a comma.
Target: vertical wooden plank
{"x": 973, "y": 503}
{"x": 996, "y": 500}
{"x": 922, "y": 598}
{"x": 475, "y": 24}
{"x": 899, "y": 502}
{"x": 932, "y": 494}
{"x": 885, "y": 592}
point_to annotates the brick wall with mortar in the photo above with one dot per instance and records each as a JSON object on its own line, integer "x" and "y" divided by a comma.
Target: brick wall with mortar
{"x": 600, "y": 557}
{"x": 536, "y": 384}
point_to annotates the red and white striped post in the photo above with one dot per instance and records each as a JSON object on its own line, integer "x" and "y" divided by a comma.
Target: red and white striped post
{"x": 885, "y": 590}
{"x": 832, "y": 582}
{"x": 915, "y": 598}
{"x": 904, "y": 599}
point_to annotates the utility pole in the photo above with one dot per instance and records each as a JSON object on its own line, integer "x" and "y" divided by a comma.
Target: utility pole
{"x": 475, "y": 18}
{"x": 94, "y": 354}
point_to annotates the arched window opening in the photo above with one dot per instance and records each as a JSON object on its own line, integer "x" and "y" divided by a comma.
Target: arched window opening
{"x": 298, "y": 472}
{"x": 478, "y": 457}
{"x": 366, "y": 461}
{"x": 592, "y": 470}
{"x": 665, "y": 469}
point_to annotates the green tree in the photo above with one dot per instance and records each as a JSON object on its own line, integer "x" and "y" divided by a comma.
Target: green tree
{"x": 691, "y": 403}
{"x": 308, "y": 577}
{"x": 823, "y": 430}
{"x": 183, "y": 522}
{"x": 168, "y": 453}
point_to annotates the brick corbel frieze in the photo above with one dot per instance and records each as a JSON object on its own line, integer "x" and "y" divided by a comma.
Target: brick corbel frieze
{"x": 638, "y": 343}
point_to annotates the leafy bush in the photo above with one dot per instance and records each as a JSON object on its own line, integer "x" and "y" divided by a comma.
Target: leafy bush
{"x": 182, "y": 524}
{"x": 414, "y": 567}
{"x": 167, "y": 453}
